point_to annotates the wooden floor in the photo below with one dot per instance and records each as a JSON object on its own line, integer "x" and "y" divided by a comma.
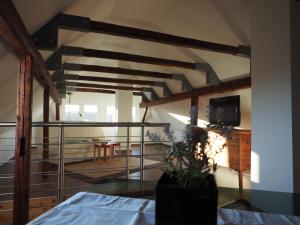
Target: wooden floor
{"x": 42, "y": 186}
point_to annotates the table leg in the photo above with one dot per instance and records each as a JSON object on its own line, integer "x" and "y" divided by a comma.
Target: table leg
{"x": 95, "y": 153}
{"x": 111, "y": 150}
{"x": 105, "y": 154}
{"x": 240, "y": 180}
{"x": 99, "y": 154}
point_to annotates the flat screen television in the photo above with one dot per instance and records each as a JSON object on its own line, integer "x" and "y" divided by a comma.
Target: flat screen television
{"x": 225, "y": 111}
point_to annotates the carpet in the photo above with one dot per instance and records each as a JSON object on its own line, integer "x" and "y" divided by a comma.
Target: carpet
{"x": 93, "y": 172}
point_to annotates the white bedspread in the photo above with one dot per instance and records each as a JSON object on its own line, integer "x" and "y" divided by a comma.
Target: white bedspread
{"x": 95, "y": 209}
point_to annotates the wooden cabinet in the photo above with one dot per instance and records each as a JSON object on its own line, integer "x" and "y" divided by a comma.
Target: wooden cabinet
{"x": 239, "y": 150}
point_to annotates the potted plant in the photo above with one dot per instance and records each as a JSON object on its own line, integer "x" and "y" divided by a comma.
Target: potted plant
{"x": 187, "y": 192}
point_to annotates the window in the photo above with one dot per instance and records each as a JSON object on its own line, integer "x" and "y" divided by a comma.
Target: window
{"x": 110, "y": 114}
{"x": 72, "y": 112}
{"x": 90, "y": 113}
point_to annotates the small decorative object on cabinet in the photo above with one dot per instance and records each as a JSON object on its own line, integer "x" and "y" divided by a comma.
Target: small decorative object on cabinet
{"x": 187, "y": 193}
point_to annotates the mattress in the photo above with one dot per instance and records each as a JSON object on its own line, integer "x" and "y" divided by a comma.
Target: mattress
{"x": 97, "y": 209}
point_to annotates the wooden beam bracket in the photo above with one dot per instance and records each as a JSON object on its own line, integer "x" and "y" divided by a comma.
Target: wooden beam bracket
{"x": 60, "y": 85}
{"x": 54, "y": 62}
{"x": 244, "y": 51}
{"x": 46, "y": 38}
{"x": 154, "y": 96}
{"x": 58, "y": 76}
{"x": 211, "y": 76}
{"x": 166, "y": 90}
{"x": 185, "y": 83}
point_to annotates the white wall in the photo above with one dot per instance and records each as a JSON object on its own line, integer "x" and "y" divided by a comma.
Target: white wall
{"x": 177, "y": 114}
{"x": 123, "y": 101}
{"x": 272, "y": 148}
{"x": 98, "y": 99}
{"x": 8, "y": 103}
{"x": 10, "y": 67}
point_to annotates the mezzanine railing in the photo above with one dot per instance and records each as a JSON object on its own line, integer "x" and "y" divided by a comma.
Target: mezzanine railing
{"x": 70, "y": 166}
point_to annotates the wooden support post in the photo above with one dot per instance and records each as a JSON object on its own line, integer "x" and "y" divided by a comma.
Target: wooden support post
{"x": 144, "y": 117}
{"x": 57, "y": 112}
{"x": 45, "y": 167}
{"x": 194, "y": 118}
{"x": 23, "y": 142}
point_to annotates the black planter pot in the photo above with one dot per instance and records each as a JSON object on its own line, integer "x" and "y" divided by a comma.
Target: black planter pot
{"x": 177, "y": 205}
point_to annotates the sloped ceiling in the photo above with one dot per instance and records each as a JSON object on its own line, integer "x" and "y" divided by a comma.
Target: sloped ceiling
{"x": 221, "y": 21}
{"x": 217, "y": 21}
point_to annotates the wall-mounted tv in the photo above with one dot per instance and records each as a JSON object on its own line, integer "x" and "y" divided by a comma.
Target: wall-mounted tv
{"x": 225, "y": 111}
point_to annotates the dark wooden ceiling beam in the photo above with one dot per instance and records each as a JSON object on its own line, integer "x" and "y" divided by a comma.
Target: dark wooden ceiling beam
{"x": 15, "y": 33}
{"x": 54, "y": 61}
{"x": 84, "y": 24}
{"x": 116, "y": 70}
{"x": 134, "y": 58}
{"x": 166, "y": 90}
{"x": 225, "y": 86}
{"x": 113, "y": 80}
{"x": 163, "y": 38}
{"x": 104, "y": 91}
{"x": 114, "y": 87}
{"x": 93, "y": 90}
{"x": 185, "y": 84}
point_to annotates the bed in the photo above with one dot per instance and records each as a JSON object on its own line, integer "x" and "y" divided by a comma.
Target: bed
{"x": 91, "y": 209}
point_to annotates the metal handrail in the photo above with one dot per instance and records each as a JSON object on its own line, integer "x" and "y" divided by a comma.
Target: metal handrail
{"x": 62, "y": 143}
{"x": 88, "y": 124}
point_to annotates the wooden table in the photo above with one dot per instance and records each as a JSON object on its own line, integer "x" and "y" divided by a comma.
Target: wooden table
{"x": 105, "y": 145}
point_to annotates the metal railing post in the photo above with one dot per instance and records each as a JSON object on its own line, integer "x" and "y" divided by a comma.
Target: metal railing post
{"x": 142, "y": 153}
{"x": 127, "y": 153}
{"x": 60, "y": 165}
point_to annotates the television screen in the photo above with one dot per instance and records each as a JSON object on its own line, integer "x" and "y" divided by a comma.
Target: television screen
{"x": 225, "y": 111}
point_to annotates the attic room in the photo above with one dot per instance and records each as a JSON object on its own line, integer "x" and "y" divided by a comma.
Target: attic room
{"x": 165, "y": 112}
